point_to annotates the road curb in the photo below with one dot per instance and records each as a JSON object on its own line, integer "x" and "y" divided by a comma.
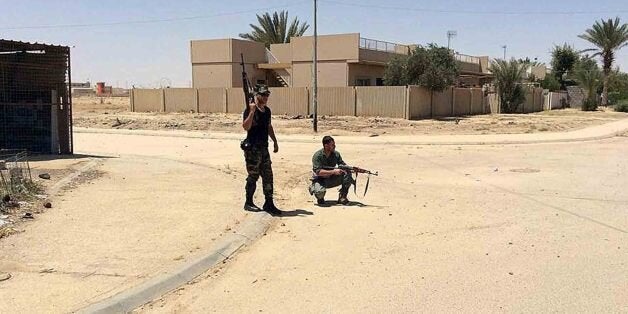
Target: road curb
{"x": 248, "y": 231}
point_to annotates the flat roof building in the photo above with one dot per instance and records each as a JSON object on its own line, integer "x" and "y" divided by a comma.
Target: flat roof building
{"x": 343, "y": 60}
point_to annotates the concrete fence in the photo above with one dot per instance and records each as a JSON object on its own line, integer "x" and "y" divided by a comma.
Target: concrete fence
{"x": 556, "y": 100}
{"x": 407, "y": 102}
{"x": 534, "y": 101}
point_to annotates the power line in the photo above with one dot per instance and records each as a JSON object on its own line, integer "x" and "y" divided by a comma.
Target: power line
{"x": 352, "y": 4}
{"x": 149, "y": 21}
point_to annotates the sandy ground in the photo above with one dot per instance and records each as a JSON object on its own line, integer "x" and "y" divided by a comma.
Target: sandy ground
{"x": 149, "y": 210}
{"x": 113, "y": 113}
{"x": 58, "y": 168}
{"x": 519, "y": 228}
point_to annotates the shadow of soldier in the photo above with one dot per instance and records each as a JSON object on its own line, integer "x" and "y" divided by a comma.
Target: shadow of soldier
{"x": 295, "y": 213}
{"x": 351, "y": 203}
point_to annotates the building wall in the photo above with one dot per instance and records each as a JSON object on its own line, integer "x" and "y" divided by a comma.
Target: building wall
{"x": 539, "y": 71}
{"x": 330, "y": 47}
{"x": 469, "y": 67}
{"x": 253, "y": 73}
{"x": 365, "y": 71}
{"x": 212, "y": 75}
{"x": 210, "y": 51}
{"x": 330, "y": 74}
{"x": 216, "y": 62}
{"x": 375, "y": 56}
{"x": 283, "y": 52}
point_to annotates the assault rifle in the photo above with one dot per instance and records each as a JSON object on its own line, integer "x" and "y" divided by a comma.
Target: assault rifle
{"x": 246, "y": 85}
{"x": 357, "y": 171}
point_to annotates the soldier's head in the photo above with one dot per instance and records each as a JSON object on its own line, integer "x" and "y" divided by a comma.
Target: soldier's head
{"x": 329, "y": 145}
{"x": 261, "y": 94}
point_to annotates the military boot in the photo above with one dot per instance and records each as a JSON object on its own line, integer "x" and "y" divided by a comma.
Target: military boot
{"x": 248, "y": 204}
{"x": 342, "y": 199}
{"x": 269, "y": 207}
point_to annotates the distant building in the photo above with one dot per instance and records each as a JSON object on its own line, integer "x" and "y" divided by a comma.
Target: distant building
{"x": 343, "y": 60}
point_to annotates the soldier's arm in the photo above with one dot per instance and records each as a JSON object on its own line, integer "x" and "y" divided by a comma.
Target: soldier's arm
{"x": 271, "y": 133}
{"x": 317, "y": 166}
{"x": 247, "y": 116}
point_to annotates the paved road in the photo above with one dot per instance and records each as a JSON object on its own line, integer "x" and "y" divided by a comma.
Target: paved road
{"x": 503, "y": 228}
{"x": 474, "y": 228}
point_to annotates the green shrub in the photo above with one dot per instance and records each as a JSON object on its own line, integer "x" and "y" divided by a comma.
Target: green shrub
{"x": 589, "y": 105}
{"x": 622, "y": 106}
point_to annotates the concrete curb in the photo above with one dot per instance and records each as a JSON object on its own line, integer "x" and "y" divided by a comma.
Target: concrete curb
{"x": 593, "y": 133}
{"x": 223, "y": 249}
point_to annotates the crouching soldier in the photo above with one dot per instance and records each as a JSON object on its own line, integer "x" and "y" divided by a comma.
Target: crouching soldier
{"x": 325, "y": 175}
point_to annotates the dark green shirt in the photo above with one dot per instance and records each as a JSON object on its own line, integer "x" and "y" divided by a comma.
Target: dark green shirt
{"x": 319, "y": 160}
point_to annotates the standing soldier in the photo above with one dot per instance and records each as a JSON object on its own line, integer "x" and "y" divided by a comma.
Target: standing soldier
{"x": 257, "y": 123}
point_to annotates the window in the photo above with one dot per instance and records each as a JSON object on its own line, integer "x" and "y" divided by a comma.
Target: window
{"x": 379, "y": 81}
{"x": 363, "y": 82}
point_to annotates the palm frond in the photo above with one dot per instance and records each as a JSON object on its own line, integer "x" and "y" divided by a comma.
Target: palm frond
{"x": 274, "y": 29}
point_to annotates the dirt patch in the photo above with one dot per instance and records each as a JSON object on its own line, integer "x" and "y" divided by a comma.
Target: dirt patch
{"x": 16, "y": 208}
{"x": 113, "y": 114}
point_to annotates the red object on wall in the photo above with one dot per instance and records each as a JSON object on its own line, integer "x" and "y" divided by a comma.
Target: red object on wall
{"x": 100, "y": 88}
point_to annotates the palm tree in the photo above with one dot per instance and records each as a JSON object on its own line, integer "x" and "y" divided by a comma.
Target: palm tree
{"x": 608, "y": 36}
{"x": 508, "y": 76}
{"x": 275, "y": 30}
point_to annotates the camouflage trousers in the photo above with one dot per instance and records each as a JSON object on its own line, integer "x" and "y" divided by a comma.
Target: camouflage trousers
{"x": 258, "y": 164}
{"x": 319, "y": 186}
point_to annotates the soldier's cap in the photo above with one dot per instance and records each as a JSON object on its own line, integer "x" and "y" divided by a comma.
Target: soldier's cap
{"x": 261, "y": 89}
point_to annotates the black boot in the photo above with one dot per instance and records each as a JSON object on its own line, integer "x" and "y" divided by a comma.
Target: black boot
{"x": 342, "y": 199}
{"x": 269, "y": 207}
{"x": 248, "y": 204}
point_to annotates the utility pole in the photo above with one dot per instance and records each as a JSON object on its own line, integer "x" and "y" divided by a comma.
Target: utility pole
{"x": 315, "y": 74}
{"x": 504, "y": 46}
{"x": 450, "y": 35}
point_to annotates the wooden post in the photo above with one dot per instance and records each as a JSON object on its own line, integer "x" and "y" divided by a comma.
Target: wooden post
{"x": 54, "y": 122}
{"x": 132, "y": 101}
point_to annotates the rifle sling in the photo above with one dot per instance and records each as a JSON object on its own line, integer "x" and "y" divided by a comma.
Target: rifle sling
{"x": 355, "y": 184}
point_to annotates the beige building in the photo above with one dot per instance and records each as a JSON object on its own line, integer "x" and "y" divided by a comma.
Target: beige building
{"x": 343, "y": 60}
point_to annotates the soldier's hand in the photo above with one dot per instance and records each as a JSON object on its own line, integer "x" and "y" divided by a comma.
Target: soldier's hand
{"x": 252, "y": 108}
{"x": 339, "y": 172}
{"x": 276, "y": 149}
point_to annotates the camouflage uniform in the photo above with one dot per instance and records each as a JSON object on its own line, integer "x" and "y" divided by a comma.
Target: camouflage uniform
{"x": 319, "y": 185}
{"x": 258, "y": 164}
{"x": 257, "y": 157}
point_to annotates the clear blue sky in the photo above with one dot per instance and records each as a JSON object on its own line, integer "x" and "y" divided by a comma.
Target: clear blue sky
{"x": 145, "y": 54}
